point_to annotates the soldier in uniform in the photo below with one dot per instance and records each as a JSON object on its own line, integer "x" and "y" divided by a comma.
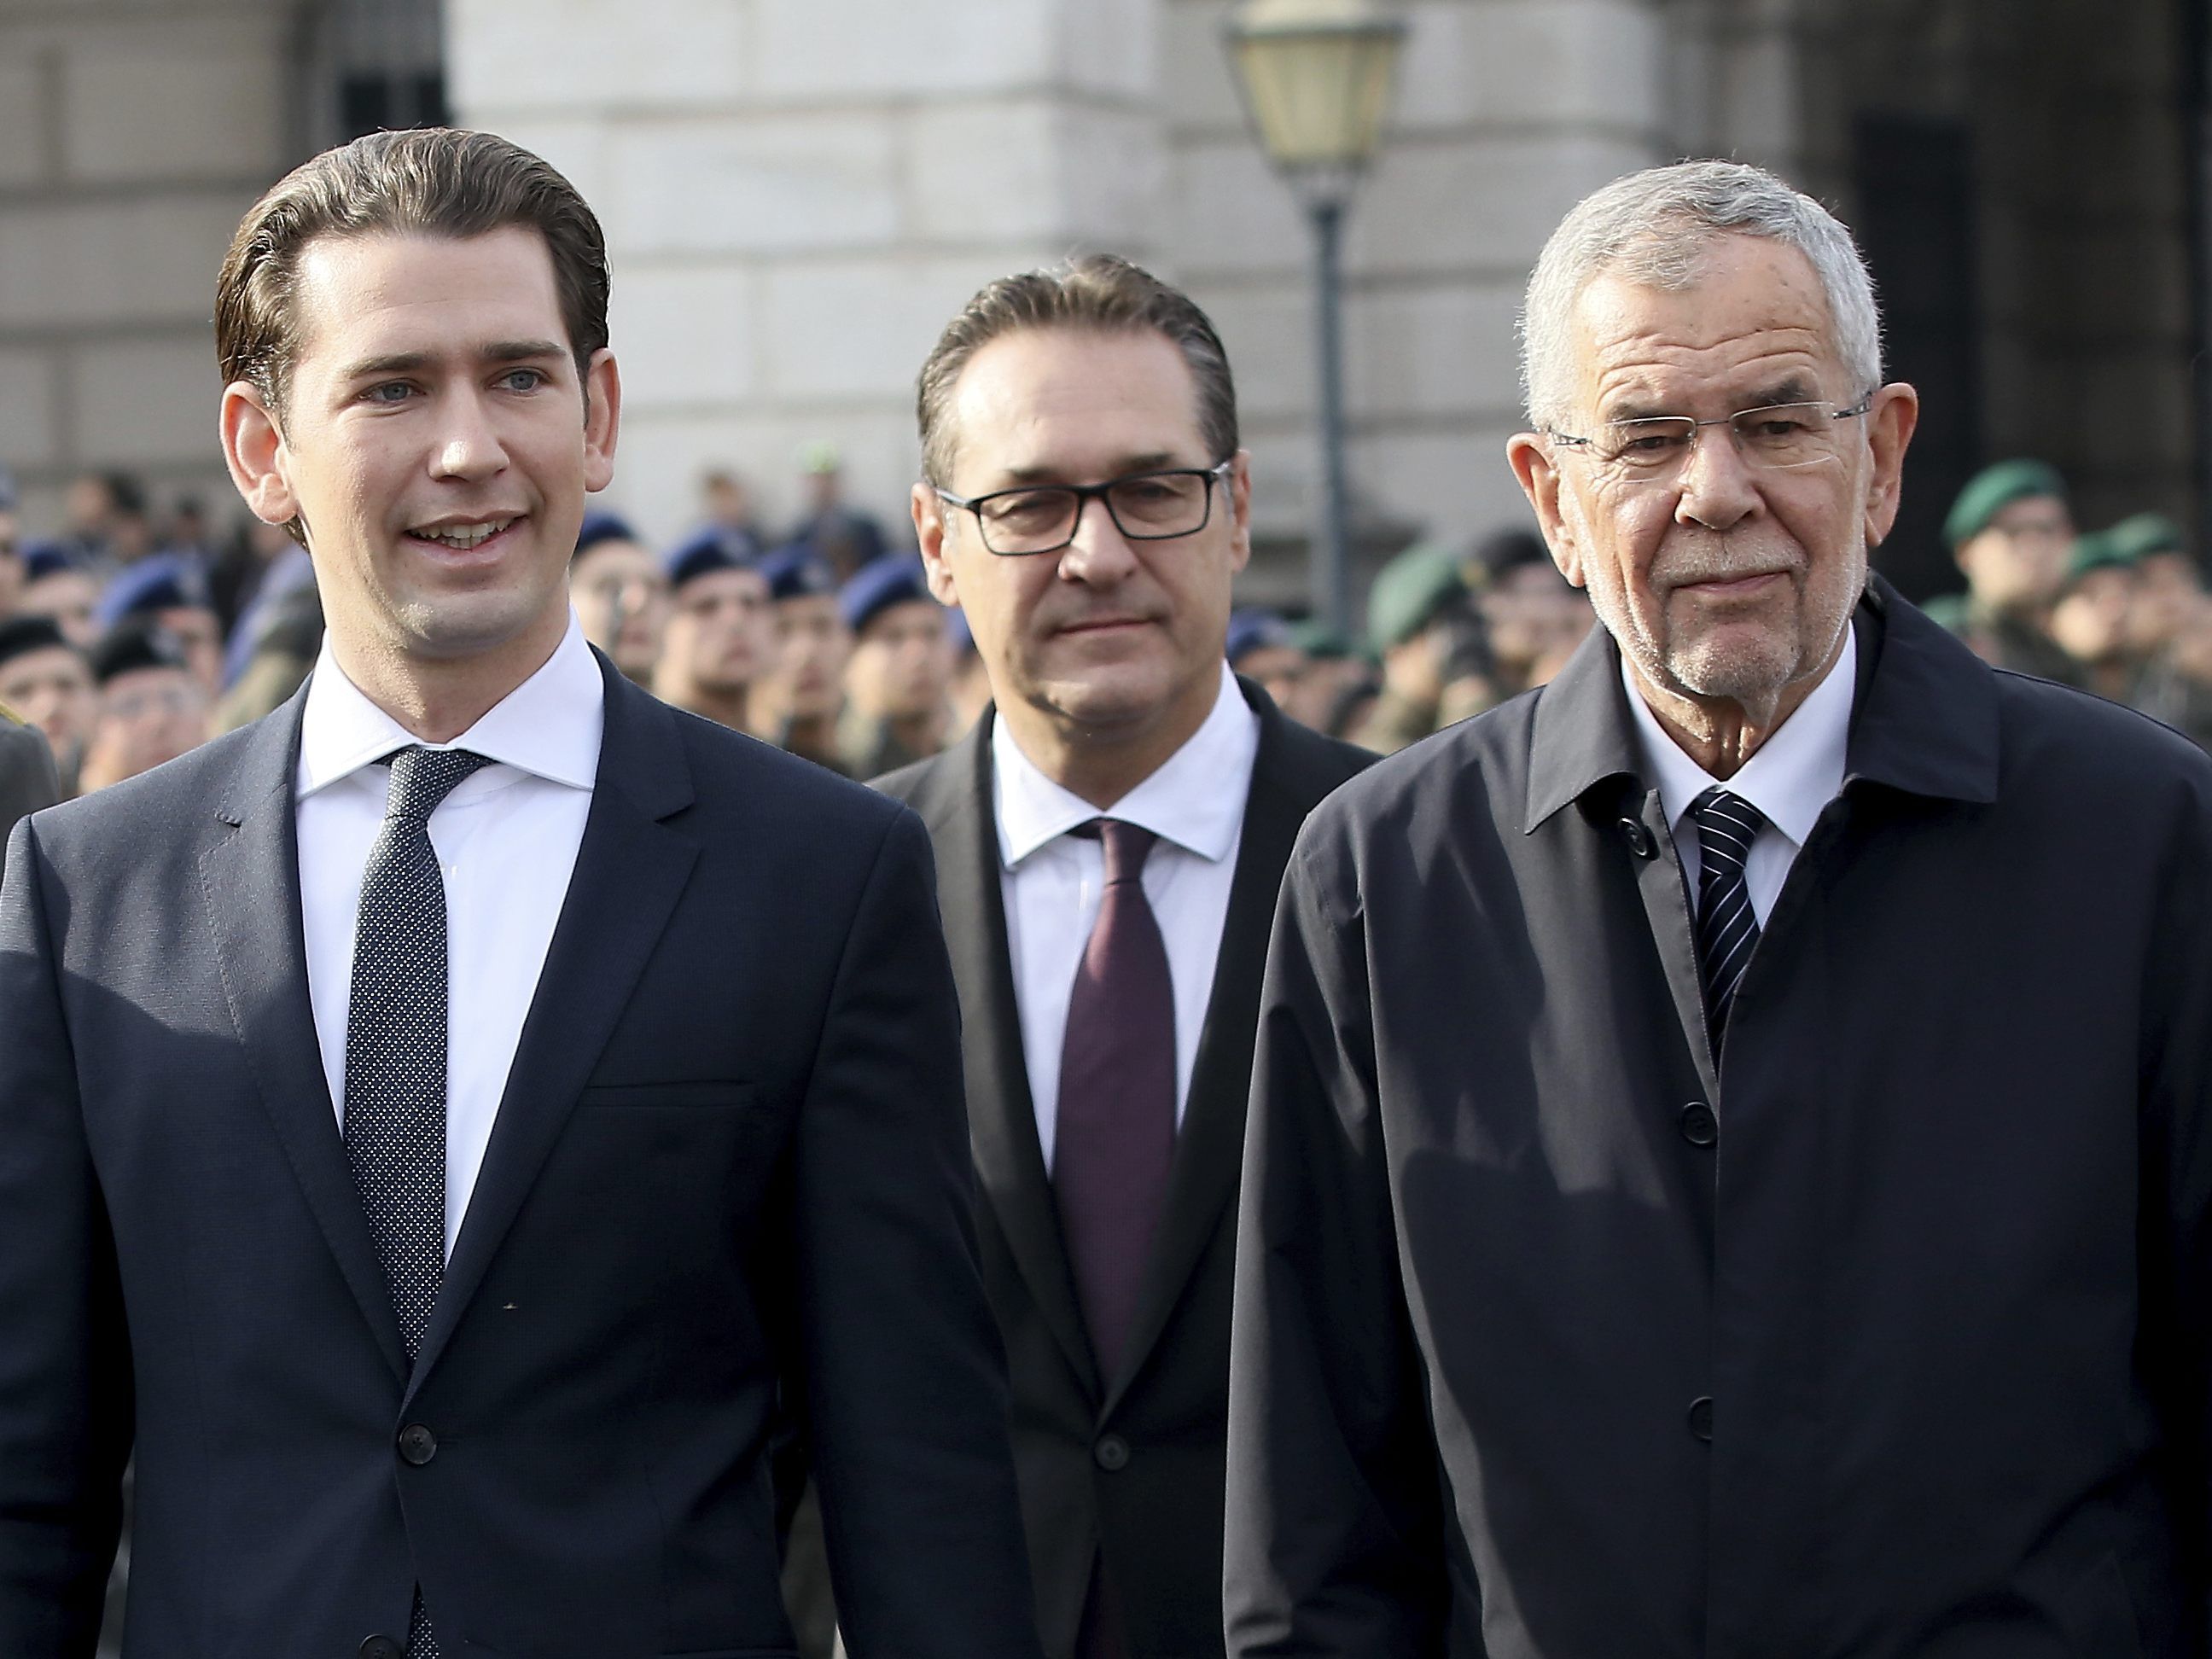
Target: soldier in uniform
{"x": 2011, "y": 532}
{"x": 1411, "y": 614}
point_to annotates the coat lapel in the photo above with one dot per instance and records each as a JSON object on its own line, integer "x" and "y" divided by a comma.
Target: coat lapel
{"x": 250, "y": 878}
{"x": 1210, "y": 1146}
{"x": 631, "y": 869}
{"x": 1001, "y": 1113}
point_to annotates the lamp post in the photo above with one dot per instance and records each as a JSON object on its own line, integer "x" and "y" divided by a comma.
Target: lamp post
{"x": 1317, "y": 76}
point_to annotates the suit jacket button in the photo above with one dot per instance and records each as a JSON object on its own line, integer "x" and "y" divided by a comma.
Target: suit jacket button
{"x": 417, "y": 1445}
{"x": 383, "y": 1647}
{"x": 1638, "y": 837}
{"x": 1700, "y": 1127}
{"x": 1112, "y": 1453}
{"x": 1701, "y": 1418}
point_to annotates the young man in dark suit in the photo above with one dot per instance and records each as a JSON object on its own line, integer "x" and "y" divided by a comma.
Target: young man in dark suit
{"x": 445, "y": 1125}
{"x": 1111, "y": 838}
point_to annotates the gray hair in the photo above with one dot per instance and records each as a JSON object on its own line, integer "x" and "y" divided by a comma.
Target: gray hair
{"x": 1654, "y": 228}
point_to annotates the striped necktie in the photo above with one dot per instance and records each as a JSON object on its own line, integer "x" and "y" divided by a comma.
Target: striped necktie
{"x": 1728, "y": 927}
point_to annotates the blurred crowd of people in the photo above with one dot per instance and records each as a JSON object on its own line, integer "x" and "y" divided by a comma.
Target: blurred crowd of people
{"x": 2122, "y": 611}
{"x": 132, "y": 637}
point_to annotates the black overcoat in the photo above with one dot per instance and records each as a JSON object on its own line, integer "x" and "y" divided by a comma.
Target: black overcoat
{"x": 1886, "y": 1336}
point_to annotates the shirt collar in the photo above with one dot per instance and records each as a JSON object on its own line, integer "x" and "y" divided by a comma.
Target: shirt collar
{"x": 1789, "y": 778}
{"x": 1194, "y": 798}
{"x": 549, "y": 726}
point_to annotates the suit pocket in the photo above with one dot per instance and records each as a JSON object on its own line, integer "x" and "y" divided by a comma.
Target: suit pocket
{"x": 687, "y": 1097}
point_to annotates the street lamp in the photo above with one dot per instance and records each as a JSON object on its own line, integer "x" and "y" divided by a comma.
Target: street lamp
{"x": 1315, "y": 76}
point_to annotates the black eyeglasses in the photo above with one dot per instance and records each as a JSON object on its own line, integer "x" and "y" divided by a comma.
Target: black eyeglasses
{"x": 1145, "y": 507}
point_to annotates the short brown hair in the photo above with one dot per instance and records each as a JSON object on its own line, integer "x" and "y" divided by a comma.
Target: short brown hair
{"x": 1098, "y": 292}
{"x": 438, "y": 181}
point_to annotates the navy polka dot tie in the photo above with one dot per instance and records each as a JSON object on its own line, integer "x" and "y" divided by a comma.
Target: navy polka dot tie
{"x": 1728, "y": 927}
{"x": 395, "y": 1068}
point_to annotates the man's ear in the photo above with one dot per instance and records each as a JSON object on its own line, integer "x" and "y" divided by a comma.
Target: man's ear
{"x": 1889, "y": 426}
{"x": 1537, "y": 468}
{"x": 602, "y": 419}
{"x": 1239, "y": 486}
{"x": 930, "y": 530}
{"x": 253, "y": 450}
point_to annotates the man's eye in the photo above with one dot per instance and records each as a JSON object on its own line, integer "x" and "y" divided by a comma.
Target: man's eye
{"x": 390, "y": 392}
{"x": 523, "y": 380}
{"x": 1649, "y": 443}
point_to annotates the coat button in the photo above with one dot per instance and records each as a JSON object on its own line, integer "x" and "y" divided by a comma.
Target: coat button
{"x": 1701, "y": 1418}
{"x": 1638, "y": 837}
{"x": 418, "y": 1444}
{"x": 383, "y": 1647}
{"x": 1700, "y": 1127}
{"x": 1112, "y": 1453}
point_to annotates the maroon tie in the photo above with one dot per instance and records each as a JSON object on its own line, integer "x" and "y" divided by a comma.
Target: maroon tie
{"x": 1114, "y": 1138}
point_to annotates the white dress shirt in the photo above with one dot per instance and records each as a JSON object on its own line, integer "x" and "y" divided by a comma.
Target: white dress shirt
{"x": 505, "y": 839}
{"x": 1789, "y": 778}
{"x": 1053, "y": 881}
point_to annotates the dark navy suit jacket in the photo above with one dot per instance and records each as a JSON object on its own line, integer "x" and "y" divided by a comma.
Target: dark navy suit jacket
{"x": 729, "y": 1177}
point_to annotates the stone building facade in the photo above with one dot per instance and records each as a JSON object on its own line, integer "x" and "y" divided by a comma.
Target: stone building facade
{"x": 798, "y": 192}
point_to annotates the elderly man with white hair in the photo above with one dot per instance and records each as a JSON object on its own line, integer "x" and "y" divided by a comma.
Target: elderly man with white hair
{"x": 1729, "y": 1170}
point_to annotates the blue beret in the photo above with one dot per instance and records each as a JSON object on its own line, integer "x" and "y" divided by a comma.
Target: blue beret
{"x": 45, "y": 558}
{"x": 601, "y": 526}
{"x": 159, "y": 582}
{"x": 794, "y": 571}
{"x": 1253, "y": 630}
{"x": 894, "y": 579}
{"x": 705, "y": 551}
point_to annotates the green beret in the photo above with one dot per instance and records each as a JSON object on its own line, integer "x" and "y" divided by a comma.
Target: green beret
{"x": 2101, "y": 549}
{"x": 2147, "y": 533}
{"x": 1994, "y": 488}
{"x": 1319, "y": 640}
{"x": 1409, "y": 592}
{"x": 1946, "y": 610}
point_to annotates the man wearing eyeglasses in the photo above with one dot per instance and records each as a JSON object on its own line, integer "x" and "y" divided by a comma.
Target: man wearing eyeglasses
{"x": 1109, "y": 841}
{"x": 1729, "y": 1171}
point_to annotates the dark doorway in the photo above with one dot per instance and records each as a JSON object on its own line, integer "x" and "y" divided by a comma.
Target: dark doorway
{"x": 1915, "y": 186}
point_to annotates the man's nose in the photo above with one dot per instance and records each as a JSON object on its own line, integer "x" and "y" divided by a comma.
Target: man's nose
{"x": 469, "y": 445}
{"x": 1098, "y": 552}
{"x": 1719, "y": 486}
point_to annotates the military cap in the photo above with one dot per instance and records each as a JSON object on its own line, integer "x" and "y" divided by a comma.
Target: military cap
{"x": 1410, "y": 591}
{"x": 1502, "y": 551}
{"x": 159, "y": 582}
{"x": 47, "y": 558}
{"x": 876, "y": 586}
{"x": 134, "y": 643}
{"x": 1253, "y": 630}
{"x": 2145, "y": 534}
{"x": 21, "y": 636}
{"x": 796, "y": 571}
{"x": 1319, "y": 640}
{"x": 602, "y": 526}
{"x": 2101, "y": 549}
{"x": 706, "y": 550}
{"x": 1994, "y": 488}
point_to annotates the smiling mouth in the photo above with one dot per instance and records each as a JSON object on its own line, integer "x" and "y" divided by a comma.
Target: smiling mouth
{"x": 1731, "y": 584}
{"x": 462, "y": 538}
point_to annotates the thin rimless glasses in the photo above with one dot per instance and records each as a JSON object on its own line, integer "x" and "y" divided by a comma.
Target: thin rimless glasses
{"x": 1653, "y": 448}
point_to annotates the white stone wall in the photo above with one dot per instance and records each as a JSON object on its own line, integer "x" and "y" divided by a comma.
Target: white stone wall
{"x": 133, "y": 134}
{"x": 799, "y": 193}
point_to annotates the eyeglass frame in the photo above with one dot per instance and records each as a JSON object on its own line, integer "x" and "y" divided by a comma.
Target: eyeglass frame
{"x": 1084, "y": 494}
{"x": 1855, "y": 411}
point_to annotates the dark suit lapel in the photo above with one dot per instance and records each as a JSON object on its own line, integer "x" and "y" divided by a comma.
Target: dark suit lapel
{"x": 630, "y": 870}
{"x": 1001, "y": 1113}
{"x": 250, "y": 878}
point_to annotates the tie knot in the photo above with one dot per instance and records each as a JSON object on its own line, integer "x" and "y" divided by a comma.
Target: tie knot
{"x": 1125, "y": 847}
{"x": 421, "y": 778}
{"x": 1727, "y": 825}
